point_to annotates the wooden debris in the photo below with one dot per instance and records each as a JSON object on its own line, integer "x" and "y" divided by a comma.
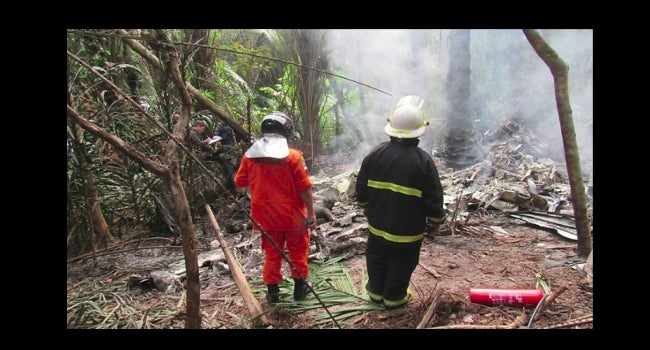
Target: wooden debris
{"x": 564, "y": 227}
{"x": 113, "y": 248}
{"x": 430, "y": 270}
{"x": 254, "y": 307}
{"x": 354, "y": 232}
{"x": 347, "y": 220}
{"x": 549, "y": 300}
{"x": 519, "y": 322}
{"x": 431, "y": 309}
{"x": 499, "y": 231}
{"x": 589, "y": 269}
{"x": 572, "y": 323}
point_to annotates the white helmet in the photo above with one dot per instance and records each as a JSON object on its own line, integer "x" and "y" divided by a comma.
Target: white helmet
{"x": 407, "y": 118}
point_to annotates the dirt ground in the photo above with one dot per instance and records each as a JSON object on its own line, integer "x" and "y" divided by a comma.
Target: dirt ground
{"x": 489, "y": 249}
{"x": 450, "y": 265}
{"x": 456, "y": 264}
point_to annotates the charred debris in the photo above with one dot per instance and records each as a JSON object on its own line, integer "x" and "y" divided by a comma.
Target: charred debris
{"x": 515, "y": 184}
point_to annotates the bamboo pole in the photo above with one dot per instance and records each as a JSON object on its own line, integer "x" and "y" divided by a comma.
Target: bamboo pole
{"x": 254, "y": 307}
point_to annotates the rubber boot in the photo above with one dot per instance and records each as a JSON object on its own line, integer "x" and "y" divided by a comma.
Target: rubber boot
{"x": 272, "y": 294}
{"x": 300, "y": 289}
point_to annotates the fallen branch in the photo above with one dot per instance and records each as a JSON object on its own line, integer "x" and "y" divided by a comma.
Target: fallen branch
{"x": 109, "y": 252}
{"x": 430, "y": 270}
{"x": 572, "y": 323}
{"x": 254, "y": 307}
{"x": 519, "y": 176}
{"x": 471, "y": 178}
{"x": 432, "y": 308}
{"x": 528, "y": 173}
{"x": 455, "y": 213}
{"x": 169, "y": 318}
{"x": 549, "y": 300}
{"x": 520, "y": 321}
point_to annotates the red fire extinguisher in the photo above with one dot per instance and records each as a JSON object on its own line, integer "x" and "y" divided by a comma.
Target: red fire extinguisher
{"x": 513, "y": 297}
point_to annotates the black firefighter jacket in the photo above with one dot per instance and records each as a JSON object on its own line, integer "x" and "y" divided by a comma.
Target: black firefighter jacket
{"x": 398, "y": 184}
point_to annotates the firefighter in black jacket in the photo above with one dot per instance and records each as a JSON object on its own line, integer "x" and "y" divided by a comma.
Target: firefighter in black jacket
{"x": 400, "y": 192}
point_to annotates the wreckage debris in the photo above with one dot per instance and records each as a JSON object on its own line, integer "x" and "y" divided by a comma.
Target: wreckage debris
{"x": 163, "y": 281}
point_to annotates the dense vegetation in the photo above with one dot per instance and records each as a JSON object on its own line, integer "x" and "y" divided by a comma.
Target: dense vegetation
{"x": 120, "y": 82}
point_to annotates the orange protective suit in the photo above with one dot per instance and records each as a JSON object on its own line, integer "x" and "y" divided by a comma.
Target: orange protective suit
{"x": 274, "y": 186}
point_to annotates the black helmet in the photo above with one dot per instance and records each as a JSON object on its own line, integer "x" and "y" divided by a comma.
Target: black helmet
{"x": 278, "y": 123}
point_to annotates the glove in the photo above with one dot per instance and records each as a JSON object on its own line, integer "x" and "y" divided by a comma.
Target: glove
{"x": 433, "y": 224}
{"x": 435, "y": 221}
{"x": 310, "y": 223}
{"x": 364, "y": 207}
{"x": 431, "y": 228}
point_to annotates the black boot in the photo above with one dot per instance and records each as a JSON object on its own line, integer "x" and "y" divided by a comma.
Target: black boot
{"x": 300, "y": 289}
{"x": 272, "y": 294}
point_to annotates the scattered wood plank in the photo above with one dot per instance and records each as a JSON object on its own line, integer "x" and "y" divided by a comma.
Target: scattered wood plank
{"x": 254, "y": 307}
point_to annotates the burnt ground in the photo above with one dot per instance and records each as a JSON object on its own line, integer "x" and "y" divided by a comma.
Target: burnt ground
{"x": 480, "y": 246}
{"x": 495, "y": 252}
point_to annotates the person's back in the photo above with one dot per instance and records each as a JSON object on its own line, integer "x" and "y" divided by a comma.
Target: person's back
{"x": 195, "y": 140}
{"x": 399, "y": 189}
{"x": 226, "y": 154}
{"x": 274, "y": 185}
{"x": 404, "y": 167}
{"x": 227, "y": 135}
{"x": 279, "y": 185}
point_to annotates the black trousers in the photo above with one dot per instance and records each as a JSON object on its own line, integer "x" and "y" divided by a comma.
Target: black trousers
{"x": 390, "y": 266}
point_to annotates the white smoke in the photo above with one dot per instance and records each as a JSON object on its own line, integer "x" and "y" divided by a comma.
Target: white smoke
{"x": 508, "y": 80}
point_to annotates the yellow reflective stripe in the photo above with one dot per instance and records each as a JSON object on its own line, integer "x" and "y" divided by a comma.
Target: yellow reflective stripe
{"x": 394, "y": 238}
{"x": 409, "y": 191}
{"x": 377, "y": 297}
{"x": 394, "y": 303}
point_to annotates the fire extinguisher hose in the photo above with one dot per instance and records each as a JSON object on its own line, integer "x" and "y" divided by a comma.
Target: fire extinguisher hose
{"x": 537, "y": 308}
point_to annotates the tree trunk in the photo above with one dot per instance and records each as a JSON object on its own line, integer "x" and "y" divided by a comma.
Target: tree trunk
{"x": 462, "y": 149}
{"x": 343, "y": 120}
{"x": 311, "y": 86}
{"x": 560, "y": 71}
{"x": 103, "y": 235}
{"x": 175, "y": 183}
{"x": 204, "y": 56}
{"x": 98, "y": 226}
{"x": 170, "y": 173}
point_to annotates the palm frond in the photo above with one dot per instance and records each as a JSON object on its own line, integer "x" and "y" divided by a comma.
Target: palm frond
{"x": 336, "y": 290}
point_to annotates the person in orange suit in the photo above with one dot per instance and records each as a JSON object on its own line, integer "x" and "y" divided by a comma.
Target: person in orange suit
{"x": 278, "y": 182}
